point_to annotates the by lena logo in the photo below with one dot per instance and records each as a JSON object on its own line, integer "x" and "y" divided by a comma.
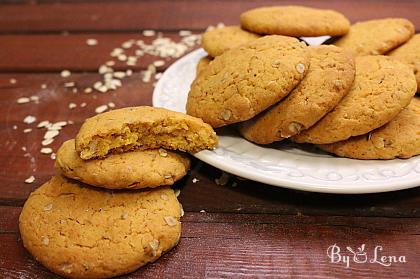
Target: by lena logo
{"x": 360, "y": 256}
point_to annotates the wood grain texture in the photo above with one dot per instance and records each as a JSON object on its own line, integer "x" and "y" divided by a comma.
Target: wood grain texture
{"x": 247, "y": 197}
{"x": 172, "y": 15}
{"x": 53, "y": 53}
{"x": 255, "y": 245}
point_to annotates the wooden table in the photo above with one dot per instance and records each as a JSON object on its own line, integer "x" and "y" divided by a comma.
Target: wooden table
{"x": 251, "y": 229}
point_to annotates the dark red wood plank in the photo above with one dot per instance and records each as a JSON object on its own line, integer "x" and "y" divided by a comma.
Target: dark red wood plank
{"x": 46, "y": 53}
{"x": 173, "y": 15}
{"x": 224, "y": 245}
{"x": 247, "y": 197}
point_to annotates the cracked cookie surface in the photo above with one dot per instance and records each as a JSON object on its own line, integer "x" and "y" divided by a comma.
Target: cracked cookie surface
{"x": 244, "y": 81}
{"x": 400, "y": 138}
{"x": 80, "y": 232}
{"x": 376, "y": 36}
{"x": 329, "y": 78}
{"x": 218, "y": 40}
{"x": 295, "y": 21}
{"x": 133, "y": 169}
{"x": 381, "y": 89}
{"x": 140, "y": 128}
{"x": 409, "y": 53}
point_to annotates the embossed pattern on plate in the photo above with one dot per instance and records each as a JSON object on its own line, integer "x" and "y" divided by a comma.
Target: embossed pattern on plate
{"x": 301, "y": 167}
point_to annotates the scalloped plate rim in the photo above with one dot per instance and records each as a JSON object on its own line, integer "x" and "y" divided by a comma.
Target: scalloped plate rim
{"x": 247, "y": 172}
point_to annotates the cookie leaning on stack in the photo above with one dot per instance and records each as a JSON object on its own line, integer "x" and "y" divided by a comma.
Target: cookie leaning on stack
{"x": 89, "y": 232}
{"x": 327, "y": 105}
{"x": 246, "y": 80}
{"x": 328, "y": 80}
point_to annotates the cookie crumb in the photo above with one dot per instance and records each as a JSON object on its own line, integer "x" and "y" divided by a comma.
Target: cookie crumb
{"x": 72, "y": 105}
{"x": 111, "y": 105}
{"x": 27, "y": 130}
{"x": 88, "y": 90}
{"x": 43, "y": 86}
{"x": 30, "y": 179}
{"x": 300, "y": 68}
{"x": 13, "y": 81}
{"x": 53, "y": 156}
{"x": 195, "y": 180}
{"x": 177, "y": 192}
{"x": 202, "y": 211}
{"x": 171, "y": 221}
{"x": 91, "y": 42}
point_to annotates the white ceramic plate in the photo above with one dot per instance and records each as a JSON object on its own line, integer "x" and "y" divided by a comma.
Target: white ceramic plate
{"x": 301, "y": 167}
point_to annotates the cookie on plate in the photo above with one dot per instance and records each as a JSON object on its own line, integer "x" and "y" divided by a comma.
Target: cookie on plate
{"x": 218, "y": 40}
{"x": 381, "y": 89}
{"x": 397, "y": 139}
{"x": 244, "y": 81}
{"x": 296, "y": 21}
{"x": 134, "y": 169}
{"x": 409, "y": 53}
{"x": 376, "y": 36}
{"x": 81, "y": 232}
{"x": 203, "y": 63}
{"x": 328, "y": 80}
{"x": 140, "y": 128}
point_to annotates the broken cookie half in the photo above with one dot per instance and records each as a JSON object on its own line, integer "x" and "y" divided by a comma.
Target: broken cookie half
{"x": 141, "y": 128}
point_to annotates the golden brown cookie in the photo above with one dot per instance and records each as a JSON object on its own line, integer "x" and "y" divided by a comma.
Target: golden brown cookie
{"x": 140, "y": 128}
{"x": 381, "y": 89}
{"x": 203, "y": 63}
{"x": 296, "y": 21}
{"x": 218, "y": 40}
{"x": 328, "y": 80}
{"x": 376, "y": 36}
{"x": 81, "y": 232}
{"x": 133, "y": 169}
{"x": 409, "y": 53}
{"x": 244, "y": 81}
{"x": 400, "y": 138}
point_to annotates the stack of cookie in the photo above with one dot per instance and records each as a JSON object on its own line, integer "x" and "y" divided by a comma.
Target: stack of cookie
{"x": 346, "y": 97}
{"x": 79, "y": 231}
